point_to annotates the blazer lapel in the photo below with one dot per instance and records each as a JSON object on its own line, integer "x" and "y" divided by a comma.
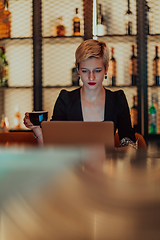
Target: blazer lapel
{"x": 75, "y": 106}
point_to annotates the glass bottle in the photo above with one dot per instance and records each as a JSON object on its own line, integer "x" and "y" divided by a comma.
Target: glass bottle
{"x": 2, "y": 25}
{"x": 17, "y": 119}
{"x": 156, "y": 105}
{"x": 153, "y": 119}
{"x": 101, "y": 27}
{"x": 156, "y": 67}
{"x": 75, "y": 77}
{"x": 4, "y": 124}
{"x": 60, "y": 28}
{"x": 133, "y": 67}
{"x": 134, "y": 114}
{"x": 128, "y": 20}
{"x": 3, "y": 68}
{"x": 112, "y": 68}
{"x": 6, "y": 20}
{"x": 76, "y": 24}
{"x": 149, "y": 17}
{"x": 6, "y": 70}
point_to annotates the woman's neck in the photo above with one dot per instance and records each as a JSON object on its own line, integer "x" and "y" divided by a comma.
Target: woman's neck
{"x": 92, "y": 96}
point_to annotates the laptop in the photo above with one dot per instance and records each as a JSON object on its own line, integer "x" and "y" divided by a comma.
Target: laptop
{"x": 78, "y": 133}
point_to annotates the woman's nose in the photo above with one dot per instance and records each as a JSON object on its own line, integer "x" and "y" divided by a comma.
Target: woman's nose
{"x": 91, "y": 76}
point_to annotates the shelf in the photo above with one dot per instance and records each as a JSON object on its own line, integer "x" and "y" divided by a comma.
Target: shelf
{"x": 154, "y": 35}
{"x": 58, "y": 86}
{"x": 15, "y": 38}
{"x": 118, "y": 35}
{"x": 125, "y": 35}
{"x": 153, "y": 86}
{"x": 128, "y": 38}
{"x": 107, "y": 35}
{"x": 15, "y": 87}
{"x": 46, "y": 37}
{"x": 20, "y": 130}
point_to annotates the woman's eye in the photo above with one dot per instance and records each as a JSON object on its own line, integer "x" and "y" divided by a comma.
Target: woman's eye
{"x": 84, "y": 71}
{"x": 98, "y": 70}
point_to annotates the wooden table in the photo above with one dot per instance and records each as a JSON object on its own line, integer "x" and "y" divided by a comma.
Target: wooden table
{"x": 74, "y": 193}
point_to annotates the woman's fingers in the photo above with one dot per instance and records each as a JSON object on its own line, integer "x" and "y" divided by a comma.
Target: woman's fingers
{"x": 27, "y": 115}
{"x": 27, "y": 121}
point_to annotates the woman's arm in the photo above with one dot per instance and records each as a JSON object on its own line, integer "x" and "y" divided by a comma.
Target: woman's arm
{"x": 125, "y": 130}
{"x": 59, "y": 113}
{"x": 37, "y": 132}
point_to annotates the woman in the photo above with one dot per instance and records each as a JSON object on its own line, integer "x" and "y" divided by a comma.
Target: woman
{"x": 92, "y": 102}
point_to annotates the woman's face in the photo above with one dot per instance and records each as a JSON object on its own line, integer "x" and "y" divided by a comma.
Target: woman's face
{"x": 92, "y": 72}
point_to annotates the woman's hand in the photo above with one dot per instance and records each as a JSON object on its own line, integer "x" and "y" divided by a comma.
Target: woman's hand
{"x": 27, "y": 122}
{"x": 36, "y": 129}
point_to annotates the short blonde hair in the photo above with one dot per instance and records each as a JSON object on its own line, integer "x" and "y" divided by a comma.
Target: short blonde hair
{"x": 92, "y": 48}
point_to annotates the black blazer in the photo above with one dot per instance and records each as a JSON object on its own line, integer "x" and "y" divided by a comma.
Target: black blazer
{"x": 68, "y": 108}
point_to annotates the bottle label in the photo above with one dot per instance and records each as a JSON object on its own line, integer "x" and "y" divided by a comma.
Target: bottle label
{"x": 112, "y": 69}
{"x": 101, "y": 30}
{"x": 60, "y": 32}
{"x": 156, "y": 67}
{"x": 76, "y": 27}
{"x": 153, "y": 119}
{"x": 133, "y": 67}
{"x": 134, "y": 115}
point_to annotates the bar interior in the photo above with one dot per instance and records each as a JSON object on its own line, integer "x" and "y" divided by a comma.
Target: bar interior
{"x": 38, "y": 40}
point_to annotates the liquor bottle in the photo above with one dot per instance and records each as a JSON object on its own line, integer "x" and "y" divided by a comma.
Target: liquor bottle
{"x": 3, "y": 68}
{"x": 101, "y": 27}
{"x": 60, "y": 28}
{"x": 4, "y": 124}
{"x": 76, "y": 24}
{"x": 156, "y": 67}
{"x": 5, "y": 24}
{"x": 134, "y": 114}
{"x": 153, "y": 119}
{"x": 75, "y": 77}
{"x": 6, "y": 20}
{"x": 133, "y": 67}
{"x": 149, "y": 16}
{"x": 112, "y": 68}
{"x": 17, "y": 119}
{"x": 156, "y": 105}
{"x": 2, "y": 25}
{"x": 128, "y": 20}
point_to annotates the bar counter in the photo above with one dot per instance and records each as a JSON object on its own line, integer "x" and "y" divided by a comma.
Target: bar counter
{"x": 17, "y": 138}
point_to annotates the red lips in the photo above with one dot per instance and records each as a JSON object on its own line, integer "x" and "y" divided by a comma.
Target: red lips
{"x": 91, "y": 83}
